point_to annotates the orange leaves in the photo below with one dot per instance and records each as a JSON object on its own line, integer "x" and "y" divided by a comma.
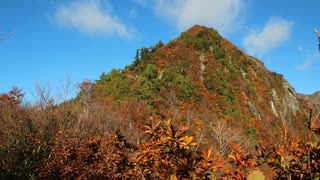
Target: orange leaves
{"x": 242, "y": 162}
{"x": 295, "y": 160}
{"x": 171, "y": 154}
{"x": 167, "y": 152}
{"x": 11, "y": 99}
{"x": 240, "y": 159}
{"x": 165, "y": 134}
{"x": 210, "y": 162}
{"x": 89, "y": 157}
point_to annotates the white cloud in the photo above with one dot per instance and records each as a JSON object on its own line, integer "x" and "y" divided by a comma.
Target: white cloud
{"x": 169, "y": 9}
{"x": 90, "y": 16}
{"x": 225, "y": 16}
{"x": 275, "y": 32}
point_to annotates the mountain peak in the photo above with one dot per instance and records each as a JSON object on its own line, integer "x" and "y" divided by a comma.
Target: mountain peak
{"x": 207, "y": 77}
{"x": 198, "y": 29}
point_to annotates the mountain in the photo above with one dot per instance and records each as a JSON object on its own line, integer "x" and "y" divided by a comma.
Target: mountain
{"x": 200, "y": 77}
{"x": 197, "y": 107}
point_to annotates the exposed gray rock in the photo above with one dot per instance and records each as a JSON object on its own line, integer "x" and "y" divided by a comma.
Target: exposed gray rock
{"x": 273, "y": 108}
{"x": 254, "y": 110}
{"x": 202, "y": 66}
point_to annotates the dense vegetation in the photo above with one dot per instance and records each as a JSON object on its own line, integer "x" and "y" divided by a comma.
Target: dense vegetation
{"x": 195, "y": 108}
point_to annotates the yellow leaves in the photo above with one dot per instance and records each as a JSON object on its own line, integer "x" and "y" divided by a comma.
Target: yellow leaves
{"x": 173, "y": 177}
{"x": 166, "y": 149}
{"x": 146, "y": 171}
{"x": 314, "y": 145}
{"x": 256, "y": 175}
{"x": 194, "y": 144}
{"x": 186, "y": 139}
{"x": 185, "y": 142}
{"x": 168, "y": 122}
{"x": 198, "y": 124}
{"x": 283, "y": 163}
{"x": 232, "y": 156}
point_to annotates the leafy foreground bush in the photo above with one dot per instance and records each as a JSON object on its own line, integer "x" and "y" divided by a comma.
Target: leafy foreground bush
{"x": 89, "y": 157}
{"x": 167, "y": 153}
{"x": 294, "y": 160}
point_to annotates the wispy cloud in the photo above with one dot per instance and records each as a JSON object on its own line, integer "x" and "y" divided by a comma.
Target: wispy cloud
{"x": 274, "y": 33}
{"x": 309, "y": 59}
{"x": 225, "y": 16}
{"x": 133, "y": 13}
{"x": 141, "y": 2}
{"x": 90, "y": 16}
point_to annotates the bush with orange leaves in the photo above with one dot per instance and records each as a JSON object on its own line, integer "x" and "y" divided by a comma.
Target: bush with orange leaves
{"x": 166, "y": 153}
{"x": 91, "y": 156}
{"x": 293, "y": 160}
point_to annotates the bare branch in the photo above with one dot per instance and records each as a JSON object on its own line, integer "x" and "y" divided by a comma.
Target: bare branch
{"x": 223, "y": 135}
{"x": 63, "y": 93}
{"x": 42, "y": 96}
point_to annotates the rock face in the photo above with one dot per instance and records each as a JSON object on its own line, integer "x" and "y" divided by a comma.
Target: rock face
{"x": 313, "y": 99}
{"x": 312, "y": 105}
{"x": 203, "y": 76}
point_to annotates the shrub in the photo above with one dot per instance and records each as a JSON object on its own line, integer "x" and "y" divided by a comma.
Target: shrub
{"x": 89, "y": 157}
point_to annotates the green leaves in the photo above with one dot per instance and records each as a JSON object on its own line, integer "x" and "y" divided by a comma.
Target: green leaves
{"x": 114, "y": 84}
{"x": 186, "y": 87}
{"x": 150, "y": 72}
{"x": 147, "y": 85}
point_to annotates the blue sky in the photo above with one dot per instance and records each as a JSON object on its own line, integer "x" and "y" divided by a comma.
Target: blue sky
{"x": 55, "y": 39}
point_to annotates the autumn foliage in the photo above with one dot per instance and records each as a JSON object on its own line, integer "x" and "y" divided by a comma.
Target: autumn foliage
{"x": 194, "y": 108}
{"x": 165, "y": 151}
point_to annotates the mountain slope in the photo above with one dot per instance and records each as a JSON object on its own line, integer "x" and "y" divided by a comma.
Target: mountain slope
{"x": 201, "y": 76}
